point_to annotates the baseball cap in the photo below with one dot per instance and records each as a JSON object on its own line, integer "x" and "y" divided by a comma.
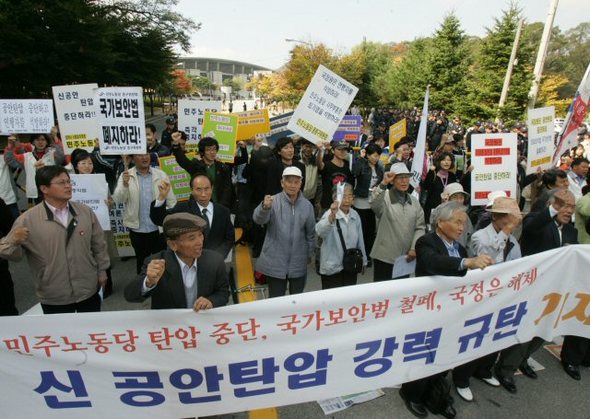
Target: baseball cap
{"x": 292, "y": 171}
{"x": 399, "y": 169}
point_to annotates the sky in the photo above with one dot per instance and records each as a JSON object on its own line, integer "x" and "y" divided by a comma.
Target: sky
{"x": 254, "y": 31}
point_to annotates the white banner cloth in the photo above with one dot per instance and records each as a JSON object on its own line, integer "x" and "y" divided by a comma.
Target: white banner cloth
{"x": 177, "y": 363}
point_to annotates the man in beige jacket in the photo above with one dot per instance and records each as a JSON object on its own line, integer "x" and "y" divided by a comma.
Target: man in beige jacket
{"x": 64, "y": 244}
{"x": 401, "y": 221}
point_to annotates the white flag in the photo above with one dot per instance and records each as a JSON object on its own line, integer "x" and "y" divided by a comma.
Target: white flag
{"x": 420, "y": 149}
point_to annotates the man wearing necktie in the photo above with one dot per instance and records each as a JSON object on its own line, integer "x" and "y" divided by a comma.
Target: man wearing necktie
{"x": 219, "y": 230}
{"x": 440, "y": 253}
{"x": 185, "y": 275}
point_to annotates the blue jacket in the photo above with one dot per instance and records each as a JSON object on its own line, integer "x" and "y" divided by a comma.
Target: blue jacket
{"x": 290, "y": 236}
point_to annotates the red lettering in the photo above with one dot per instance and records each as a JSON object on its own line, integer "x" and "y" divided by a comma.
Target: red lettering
{"x": 492, "y": 161}
{"x": 491, "y": 142}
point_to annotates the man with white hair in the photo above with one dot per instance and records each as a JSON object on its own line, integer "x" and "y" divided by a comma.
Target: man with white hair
{"x": 290, "y": 235}
{"x": 440, "y": 253}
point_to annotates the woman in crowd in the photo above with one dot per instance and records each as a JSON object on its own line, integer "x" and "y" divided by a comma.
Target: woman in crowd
{"x": 436, "y": 181}
{"x": 367, "y": 174}
{"x": 32, "y": 156}
{"x": 343, "y": 220}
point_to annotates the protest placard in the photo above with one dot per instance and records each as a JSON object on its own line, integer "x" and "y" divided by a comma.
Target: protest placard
{"x": 120, "y": 232}
{"x": 279, "y": 351}
{"x": 223, "y": 127}
{"x": 396, "y": 132}
{"x": 278, "y": 128}
{"x": 540, "y": 139}
{"x": 76, "y": 115}
{"x": 26, "y": 116}
{"x": 349, "y": 128}
{"x": 179, "y": 178}
{"x": 190, "y": 119}
{"x": 93, "y": 191}
{"x": 121, "y": 120}
{"x": 322, "y": 106}
{"x": 494, "y": 163}
{"x": 252, "y": 124}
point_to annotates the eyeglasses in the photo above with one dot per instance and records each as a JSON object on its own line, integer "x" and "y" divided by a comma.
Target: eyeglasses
{"x": 62, "y": 182}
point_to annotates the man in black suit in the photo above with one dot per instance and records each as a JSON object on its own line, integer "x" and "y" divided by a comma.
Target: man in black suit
{"x": 546, "y": 229}
{"x": 440, "y": 253}
{"x": 185, "y": 275}
{"x": 219, "y": 230}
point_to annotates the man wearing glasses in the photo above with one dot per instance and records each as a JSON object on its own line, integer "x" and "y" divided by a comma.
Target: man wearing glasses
{"x": 64, "y": 244}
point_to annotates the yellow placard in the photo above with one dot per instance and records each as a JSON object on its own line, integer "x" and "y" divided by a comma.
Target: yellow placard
{"x": 251, "y": 123}
{"x": 396, "y": 132}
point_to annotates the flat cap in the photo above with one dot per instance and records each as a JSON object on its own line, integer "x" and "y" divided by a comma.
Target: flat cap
{"x": 182, "y": 222}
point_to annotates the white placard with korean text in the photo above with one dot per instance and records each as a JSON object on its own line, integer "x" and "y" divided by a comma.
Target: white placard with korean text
{"x": 323, "y": 106}
{"x": 93, "y": 191}
{"x": 190, "y": 119}
{"x": 540, "y": 139}
{"x": 494, "y": 160}
{"x": 121, "y": 120}
{"x": 120, "y": 232}
{"x": 26, "y": 116}
{"x": 76, "y": 115}
{"x": 292, "y": 349}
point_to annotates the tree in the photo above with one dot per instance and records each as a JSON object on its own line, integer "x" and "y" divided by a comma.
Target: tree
{"x": 448, "y": 60}
{"x": 201, "y": 84}
{"x": 305, "y": 60}
{"x": 404, "y": 82}
{"x": 486, "y": 81}
{"x": 54, "y": 42}
{"x": 549, "y": 95}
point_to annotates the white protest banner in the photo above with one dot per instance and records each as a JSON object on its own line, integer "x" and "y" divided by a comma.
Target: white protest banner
{"x": 120, "y": 232}
{"x": 322, "y": 106}
{"x": 121, "y": 120}
{"x": 293, "y": 349}
{"x": 76, "y": 115}
{"x": 190, "y": 119}
{"x": 494, "y": 161}
{"x": 540, "y": 139}
{"x": 574, "y": 118}
{"x": 26, "y": 116}
{"x": 420, "y": 150}
{"x": 93, "y": 190}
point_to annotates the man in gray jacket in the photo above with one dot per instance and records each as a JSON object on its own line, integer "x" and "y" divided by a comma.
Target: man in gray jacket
{"x": 64, "y": 244}
{"x": 290, "y": 235}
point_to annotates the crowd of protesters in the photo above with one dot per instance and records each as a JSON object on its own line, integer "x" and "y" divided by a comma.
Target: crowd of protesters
{"x": 293, "y": 202}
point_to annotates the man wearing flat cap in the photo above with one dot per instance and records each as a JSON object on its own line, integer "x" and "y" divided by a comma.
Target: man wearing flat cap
{"x": 184, "y": 275}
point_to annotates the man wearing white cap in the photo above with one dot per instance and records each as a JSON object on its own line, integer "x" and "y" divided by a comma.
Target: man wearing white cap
{"x": 290, "y": 235}
{"x": 401, "y": 221}
{"x": 496, "y": 241}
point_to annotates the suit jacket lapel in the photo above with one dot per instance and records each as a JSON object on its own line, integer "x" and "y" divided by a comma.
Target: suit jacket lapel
{"x": 176, "y": 284}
